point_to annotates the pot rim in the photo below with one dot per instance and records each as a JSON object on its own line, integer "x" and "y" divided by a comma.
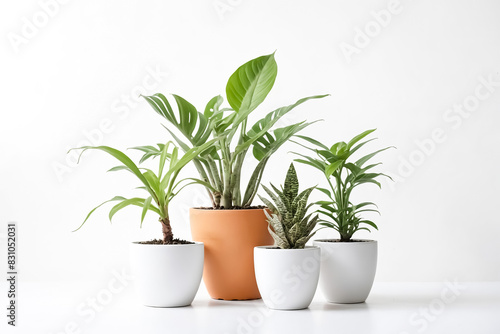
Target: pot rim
{"x": 228, "y": 210}
{"x": 194, "y": 243}
{"x": 270, "y": 247}
{"x": 337, "y": 241}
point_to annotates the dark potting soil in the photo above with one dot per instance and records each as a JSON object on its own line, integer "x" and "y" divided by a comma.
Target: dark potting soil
{"x": 338, "y": 240}
{"x": 160, "y": 242}
{"x": 258, "y": 207}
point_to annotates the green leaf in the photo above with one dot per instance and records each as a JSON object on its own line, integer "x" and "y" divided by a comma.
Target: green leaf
{"x": 254, "y": 182}
{"x": 319, "y": 164}
{"x": 126, "y": 202}
{"x": 329, "y": 156}
{"x": 313, "y": 141}
{"x": 277, "y": 231}
{"x": 279, "y": 205}
{"x": 213, "y": 106}
{"x": 326, "y": 203}
{"x": 188, "y": 115}
{"x": 118, "y": 168}
{"x": 250, "y": 84}
{"x": 160, "y": 104}
{"x": 367, "y": 157}
{"x": 361, "y": 205}
{"x": 262, "y": 126}
{"x": 269, "y": 204}
{"x": 163, "y": 157}
{"x": 330, "y": 169}
{"x": 369, "y": 222}
{"x": 120, "y": 156}
{"x": 268, "y": 144}
{"x": 188, "y": 156}
{"x": 299, "y": 205}
{"x": 200, "y": 182}
{"x": 145, "y": 208}
{"x": 116, "y": 198}
{"x": 291, "y": 186}
{"x": 325, "y": 191}
{"x": 153, "y": 181}
{"x": 358, "y": 138}
{"x": 362, "y": 181}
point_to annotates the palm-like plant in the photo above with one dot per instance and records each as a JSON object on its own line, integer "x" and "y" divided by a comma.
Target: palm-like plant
{"x": 160, "y": 187}
{"x": 343, "y": 176}
{"x": 288, "y": 224}
{"x": 220, "y": 167}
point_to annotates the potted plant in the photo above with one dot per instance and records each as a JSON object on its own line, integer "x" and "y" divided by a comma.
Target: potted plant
{"x": 288, "y": 272}
{"x": 348, "y": 265}
{"x": 231, "y": 227}
{"x": 167, "y": 271}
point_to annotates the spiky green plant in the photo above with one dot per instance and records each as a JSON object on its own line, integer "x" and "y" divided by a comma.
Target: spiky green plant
{"x": 335, "y": 164}
{"x": 220, "y": 167}
{"x": 288, "y": 224}
{"x": 161, "y": 187}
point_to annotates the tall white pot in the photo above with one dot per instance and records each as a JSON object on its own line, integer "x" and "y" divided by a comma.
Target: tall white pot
{"x": 347, "y": 269}
{"x": 167, "y": 275}
{"x": 287, "y": 278}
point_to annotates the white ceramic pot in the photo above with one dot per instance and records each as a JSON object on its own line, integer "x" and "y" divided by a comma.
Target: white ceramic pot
{"x": 287, "y": 278}
{"x": 167, "y": 275}
{"x": 347, "y": 269}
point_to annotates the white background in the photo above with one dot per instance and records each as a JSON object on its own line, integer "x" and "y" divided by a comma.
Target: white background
{"x": 73, "y": 73}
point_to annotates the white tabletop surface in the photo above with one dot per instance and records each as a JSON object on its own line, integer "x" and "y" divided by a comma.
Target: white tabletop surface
{"x": 392, "y": 308}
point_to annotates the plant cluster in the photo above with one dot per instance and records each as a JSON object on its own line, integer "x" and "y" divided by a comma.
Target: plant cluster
{"x": 288, "y": 224}
{"x": 217, "y": 141}
{"x": 220, "y": 166}
{"x": 343, "y": 176}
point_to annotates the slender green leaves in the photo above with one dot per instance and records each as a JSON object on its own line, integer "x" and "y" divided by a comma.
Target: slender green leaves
{"x": 343, "y": 176}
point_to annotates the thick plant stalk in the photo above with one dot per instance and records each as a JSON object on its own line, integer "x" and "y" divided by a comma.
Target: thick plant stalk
{"x": 227, "y": 198}
{"x": 254, "y": 182}
{"x": 204, "y": 177}
{"x": 215, "y": 174}
{"x": 166, "y": 229}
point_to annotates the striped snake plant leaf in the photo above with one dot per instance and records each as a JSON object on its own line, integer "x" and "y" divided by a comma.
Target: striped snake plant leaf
{"x": 290, "y": 226}
{"x": 291, "y": 186}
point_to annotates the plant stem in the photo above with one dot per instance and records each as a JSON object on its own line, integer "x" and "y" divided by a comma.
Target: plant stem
{"x": 204, "y": 177}
{"x": 166, "y": 229}
{"x": 227, "y": 199}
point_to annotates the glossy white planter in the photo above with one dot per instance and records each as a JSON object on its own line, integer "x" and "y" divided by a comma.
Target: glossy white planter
{"x": 167, "y": 275}
{"x": 287, "y": 278}
{"x": 347, "y": 270}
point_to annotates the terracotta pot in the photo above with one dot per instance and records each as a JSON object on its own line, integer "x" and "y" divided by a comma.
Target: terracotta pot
{"x": 229, "y": 237}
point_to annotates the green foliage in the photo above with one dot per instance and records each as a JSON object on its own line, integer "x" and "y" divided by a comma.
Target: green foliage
{"x": 288, "y": 224}
{"x": 220, "y": 166}
{"x": 343, "y": 176}
{"x": 161, "y": 187}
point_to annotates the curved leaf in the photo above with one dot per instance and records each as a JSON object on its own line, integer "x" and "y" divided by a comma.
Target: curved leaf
{"x": 262, "y": 126}
{"x": 120, "y": 156}
{"x": 249, "y": 85}
{"x": 116, "y": 198}
{"x": 131, "y": 201}
{"x": 145, "y": 208}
